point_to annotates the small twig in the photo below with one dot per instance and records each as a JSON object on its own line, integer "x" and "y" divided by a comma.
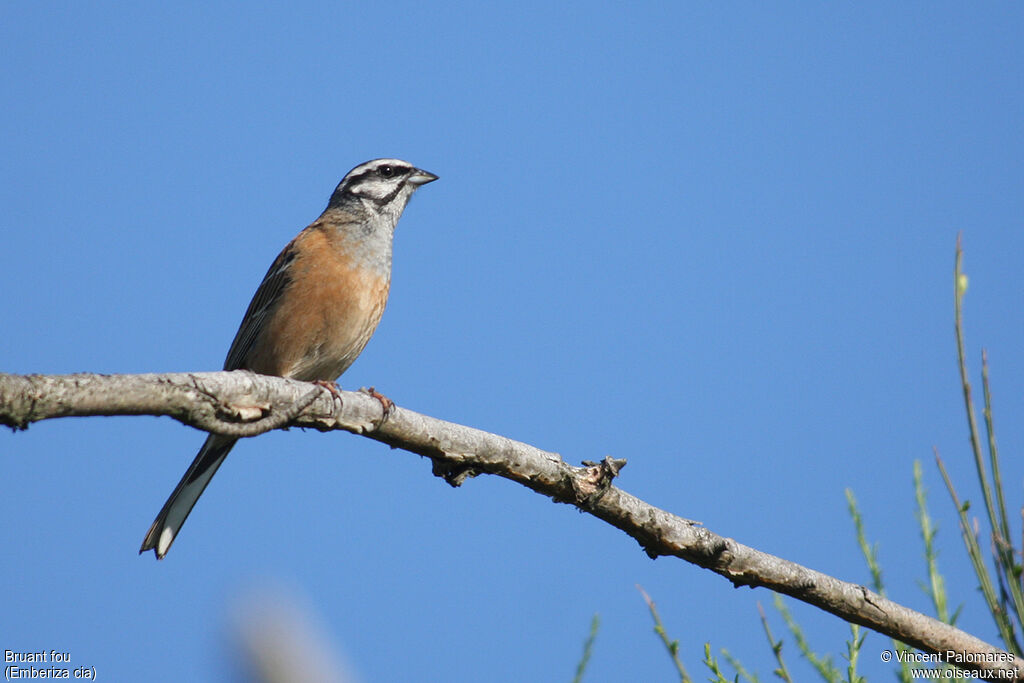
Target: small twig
{"x": 977, "y": 559}
{"x": 782, "y": 671}
{"x": 588, "y": 649}
{"x": 276, "y": 419}
{"x": 671, "y": 645}
{"x": 823, "y": 665}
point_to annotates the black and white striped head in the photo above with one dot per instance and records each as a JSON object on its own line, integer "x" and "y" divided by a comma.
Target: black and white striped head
{"x": 382, "y": 185}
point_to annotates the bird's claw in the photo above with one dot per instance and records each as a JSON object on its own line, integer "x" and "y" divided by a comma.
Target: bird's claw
{"x": 331, "y": 387}
{"x": 386, "y": 403}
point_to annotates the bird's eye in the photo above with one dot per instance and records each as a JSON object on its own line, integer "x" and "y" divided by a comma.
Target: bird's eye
{"x": 386, "y": 171}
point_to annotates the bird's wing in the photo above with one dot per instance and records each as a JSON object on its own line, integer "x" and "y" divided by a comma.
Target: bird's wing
{"x": 261, "y": 307}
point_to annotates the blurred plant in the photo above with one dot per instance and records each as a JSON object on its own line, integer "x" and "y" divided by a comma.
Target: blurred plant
{"x": 671, "y": 645}
{"x": 1003, "y": 595}
{"x": 1006, "y": 607}
{"x": 588, "y": 649}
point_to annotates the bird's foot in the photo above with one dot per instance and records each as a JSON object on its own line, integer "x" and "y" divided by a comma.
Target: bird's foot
{"x": 331, "y": 387}
{"x": 386, "y": 403}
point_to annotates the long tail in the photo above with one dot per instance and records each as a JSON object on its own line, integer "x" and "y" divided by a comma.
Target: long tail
{"x": 175, "y": 511}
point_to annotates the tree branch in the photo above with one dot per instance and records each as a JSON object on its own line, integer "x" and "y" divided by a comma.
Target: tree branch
{"x": 244, "y": 404}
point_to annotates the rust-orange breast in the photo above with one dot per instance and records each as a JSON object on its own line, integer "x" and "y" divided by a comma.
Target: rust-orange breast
{"x": 326, "y": 314}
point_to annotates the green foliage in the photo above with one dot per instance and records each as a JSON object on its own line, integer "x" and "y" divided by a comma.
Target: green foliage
{"x": 999, "y": 575}
{"x": 588, "y": 648}
{"x": 1006, "y": 605}
{"x": 671, "y": 645}
{"x": 822, "y": 664}
{"x": 712, "y": 664}
{"x": 853, "y": 648}
{"x": 781, "y": 671}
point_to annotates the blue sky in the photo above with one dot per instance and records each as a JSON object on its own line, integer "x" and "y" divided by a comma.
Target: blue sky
{"x": 714, "y": 240}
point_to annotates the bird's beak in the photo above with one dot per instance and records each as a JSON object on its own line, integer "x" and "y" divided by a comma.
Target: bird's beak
{"x": 421, "y": 177}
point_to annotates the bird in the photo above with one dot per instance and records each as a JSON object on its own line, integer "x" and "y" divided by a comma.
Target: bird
{"x": 314, "y": 312}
